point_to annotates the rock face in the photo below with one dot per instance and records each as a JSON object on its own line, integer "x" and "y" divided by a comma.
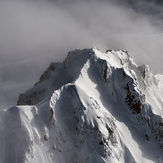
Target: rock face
{"x": 94, "y": 107}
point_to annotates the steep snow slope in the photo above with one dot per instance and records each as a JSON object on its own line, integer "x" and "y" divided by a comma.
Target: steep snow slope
{"x": 94, "y": 107}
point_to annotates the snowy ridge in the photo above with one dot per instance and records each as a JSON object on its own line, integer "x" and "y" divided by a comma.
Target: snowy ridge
{"x": 94, "y": 107}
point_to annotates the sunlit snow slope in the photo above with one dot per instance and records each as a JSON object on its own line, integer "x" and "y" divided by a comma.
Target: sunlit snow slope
{"x": 94, "y": 107}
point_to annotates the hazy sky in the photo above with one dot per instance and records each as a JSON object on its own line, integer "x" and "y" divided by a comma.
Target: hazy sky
{"x": 34, "y": 33}
{"x": 44, "y": 28}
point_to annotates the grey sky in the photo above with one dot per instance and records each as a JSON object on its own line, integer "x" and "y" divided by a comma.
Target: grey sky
{"x": 44, "y": 31}
{"x": 45, "y": 28}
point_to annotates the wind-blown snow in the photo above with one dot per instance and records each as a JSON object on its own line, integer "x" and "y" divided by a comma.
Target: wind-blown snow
{"x": 94, "y": 107}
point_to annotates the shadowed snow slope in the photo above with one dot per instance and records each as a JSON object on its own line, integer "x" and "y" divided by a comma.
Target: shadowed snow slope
{"x": 94, "y": 107}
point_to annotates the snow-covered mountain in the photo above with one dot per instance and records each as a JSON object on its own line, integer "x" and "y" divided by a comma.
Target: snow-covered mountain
{"x": 94, "y": 107}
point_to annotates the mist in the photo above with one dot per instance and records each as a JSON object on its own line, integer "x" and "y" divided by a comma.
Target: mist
{"x": 47, "y": 28}
{"x": 35, "y": 33}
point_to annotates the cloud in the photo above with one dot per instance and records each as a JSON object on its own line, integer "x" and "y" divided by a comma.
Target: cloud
{"x": 40, "y": 28}
{"x": 44, "y": 31}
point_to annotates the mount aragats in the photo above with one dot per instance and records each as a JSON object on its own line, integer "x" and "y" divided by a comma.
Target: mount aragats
{"x": 93, "y": 107}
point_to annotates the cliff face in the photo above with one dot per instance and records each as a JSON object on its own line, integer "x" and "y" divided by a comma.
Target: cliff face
{"x": 93, "y": 107}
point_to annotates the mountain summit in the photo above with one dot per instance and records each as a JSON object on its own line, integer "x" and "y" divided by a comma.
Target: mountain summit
{"x": 93, "y": 107}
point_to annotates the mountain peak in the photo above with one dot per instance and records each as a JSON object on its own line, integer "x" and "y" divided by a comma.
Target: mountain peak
{"x": 58, "y": 74}
{"x": 92, "y": 107}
